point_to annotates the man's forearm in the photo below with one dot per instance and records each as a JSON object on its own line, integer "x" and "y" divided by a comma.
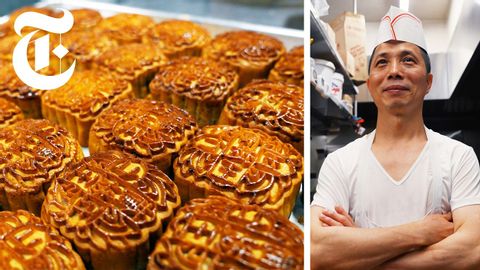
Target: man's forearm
{"x": 461, "y": 250}
{"x": 357, "y": 248}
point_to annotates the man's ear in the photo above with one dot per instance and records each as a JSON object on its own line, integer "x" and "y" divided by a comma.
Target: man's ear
{"x": 429, "y": 81}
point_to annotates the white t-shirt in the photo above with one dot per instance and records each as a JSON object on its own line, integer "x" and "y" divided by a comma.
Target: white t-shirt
{"x": 353, "y": 178}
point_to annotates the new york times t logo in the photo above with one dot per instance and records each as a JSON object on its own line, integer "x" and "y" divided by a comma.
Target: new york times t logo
{"x": 42, "y": 49}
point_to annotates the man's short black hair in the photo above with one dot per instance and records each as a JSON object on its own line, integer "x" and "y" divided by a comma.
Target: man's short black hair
{"x": 424, "y": 53}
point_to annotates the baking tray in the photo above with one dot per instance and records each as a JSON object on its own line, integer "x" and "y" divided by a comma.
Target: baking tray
{"x": 289, "y": 37}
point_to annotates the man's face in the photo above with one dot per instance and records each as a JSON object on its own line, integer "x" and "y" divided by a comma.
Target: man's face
{"x": 398, "y": 80}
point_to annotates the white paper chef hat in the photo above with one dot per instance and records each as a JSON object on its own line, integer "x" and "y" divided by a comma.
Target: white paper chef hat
{"x": 401, "y": 25}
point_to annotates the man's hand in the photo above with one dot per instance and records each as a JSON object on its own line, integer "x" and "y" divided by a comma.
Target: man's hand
{"x": 339, "y": 217}
{"x": 436, "y": 228}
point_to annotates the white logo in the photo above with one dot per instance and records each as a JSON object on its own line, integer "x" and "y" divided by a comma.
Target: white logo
{"x": 42, "y": 49}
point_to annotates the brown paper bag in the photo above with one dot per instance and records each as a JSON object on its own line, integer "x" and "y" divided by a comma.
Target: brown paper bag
{"x": 350, "y": 34}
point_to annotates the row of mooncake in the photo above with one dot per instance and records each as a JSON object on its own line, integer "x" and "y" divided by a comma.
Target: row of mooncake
{"x": 111, "y": 205}
{"x": 114, "y": 205}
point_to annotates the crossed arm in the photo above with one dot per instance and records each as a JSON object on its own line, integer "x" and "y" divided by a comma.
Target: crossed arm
{"x": 461, "y": 250}
{"x": 431, "y": 243}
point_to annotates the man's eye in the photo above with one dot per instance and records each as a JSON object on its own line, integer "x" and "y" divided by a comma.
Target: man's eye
{"x": 408, "y": 59}
{"x": 381, "y": 62}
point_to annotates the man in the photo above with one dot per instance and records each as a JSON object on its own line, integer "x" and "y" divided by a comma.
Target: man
{"x": 403, "y": 196}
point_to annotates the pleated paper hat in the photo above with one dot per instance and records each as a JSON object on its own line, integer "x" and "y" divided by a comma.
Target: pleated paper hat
{"x": 401, "y": 25}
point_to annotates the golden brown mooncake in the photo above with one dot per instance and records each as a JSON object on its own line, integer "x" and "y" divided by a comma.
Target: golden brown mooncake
{"x": 84, "y": 47}
{"x": 27, "y": 243}
{"x": 24, "y": 96}
{"x": 9, "y": 113}
{"x": 5, "y": 30}
{"x": 178, "y": 38}
{"x": 152, "y": 130}
{"x": 34, "y": 153}
{"x": 220, "y": 233}
{"x": 84, "y": 42}
{"x": 252, "y": 53}
{"x": 8, "y": 43}
{"x": 240, "y": 163}
{"x": 78, "y": 103}
{"x": 85, "y": 18}
{"x": 126, "y": 28}
{"x": 274, "y": 107}
{"x": 109, "y": 205}
{"x": 135, "y": 63}
{"x": 289, "y": 68}
{"x": 199, "y": 85}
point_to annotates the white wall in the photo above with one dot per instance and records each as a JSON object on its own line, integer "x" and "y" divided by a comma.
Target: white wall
{"x": 454, "y": 15}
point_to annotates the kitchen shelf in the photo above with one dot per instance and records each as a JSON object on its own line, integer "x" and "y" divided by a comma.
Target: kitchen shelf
{"x": 322, "y": 49}
{"x": 324, "y": 104}
{"x": 325, "y": 107}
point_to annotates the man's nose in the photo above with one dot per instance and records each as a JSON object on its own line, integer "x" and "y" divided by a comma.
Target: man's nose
{"x": 395, "y": 70}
